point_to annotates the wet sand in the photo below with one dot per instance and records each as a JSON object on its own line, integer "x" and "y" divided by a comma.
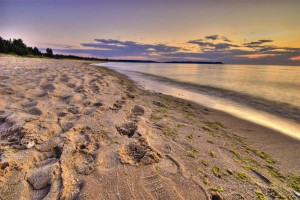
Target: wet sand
{"x": 70, "y": 130}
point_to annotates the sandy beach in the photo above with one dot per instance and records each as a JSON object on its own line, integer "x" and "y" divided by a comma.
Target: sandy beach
{"x": 70, "y": 130}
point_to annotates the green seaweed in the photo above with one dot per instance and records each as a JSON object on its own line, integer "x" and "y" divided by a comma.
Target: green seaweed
{"x": 196, "y": 150}
{"x": 188, "y": 115}
{"x": 198, "y": 169}
{"x": 154, "y": 117}
{"x": 214, "y": 125}
{"x": 192, "y": 155}
{"x": 275, "y": 173}
{"x": 206, "y": 128}
{"x": 261, "y": 154}
{"x": 259, "y": 195}
{"x": 234, "y": 152}
{"x": 179, "y": 125}
{"x": 216, "y": 171}
{"x": 191, "y": 137}
{"x": 247, "y": 167}
{"x": 162, "y": 110}
{"x": 212, "y": 154}
{"x": 203, "y": 162}
{"x": 275, "y": 194}
{"x": 294, "y": 182}
{"x": 167, "y": 131}
{"x": 242, "y": 176}
{"x": 217, "y": 189}
{"x": 206, "y": 181}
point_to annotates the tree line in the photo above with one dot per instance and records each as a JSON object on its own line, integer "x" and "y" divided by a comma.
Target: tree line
{"x": 17, "y": 46}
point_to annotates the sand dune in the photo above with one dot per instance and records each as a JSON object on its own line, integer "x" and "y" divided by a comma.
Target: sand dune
{"x": 74, "y": 131}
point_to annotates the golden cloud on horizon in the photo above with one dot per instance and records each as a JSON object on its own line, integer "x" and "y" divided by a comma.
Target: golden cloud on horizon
{"x": 295, "y": 58}
{"x": 256, "y": 55}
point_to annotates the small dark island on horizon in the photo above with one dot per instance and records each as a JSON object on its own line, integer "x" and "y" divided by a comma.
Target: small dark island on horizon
{"x": 174, "y": 62}
{"x": 194, "y": 62}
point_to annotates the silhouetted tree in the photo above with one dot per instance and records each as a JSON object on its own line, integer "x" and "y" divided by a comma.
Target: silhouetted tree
{"x": 36, "y": 52}
{"x": 3, "y": 48}
{"x": 49, "y": 52}
{"x": 17, "y": 46}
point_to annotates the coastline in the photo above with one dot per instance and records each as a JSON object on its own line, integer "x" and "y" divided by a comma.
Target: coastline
{"x": 276, "y": 115}
{"x": 256, "y": 103}
{"x": 241, "y": 127}
{"x": 95, "y": 130}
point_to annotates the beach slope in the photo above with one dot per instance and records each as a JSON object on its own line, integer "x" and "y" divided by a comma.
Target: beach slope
{"x": 69, "y": 130}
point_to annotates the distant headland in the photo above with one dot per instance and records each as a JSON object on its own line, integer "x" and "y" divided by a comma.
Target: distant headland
{"x": 175, "y": 62}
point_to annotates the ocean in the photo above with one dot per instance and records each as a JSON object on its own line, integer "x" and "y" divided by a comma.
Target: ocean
{"x": 267, "y": 95}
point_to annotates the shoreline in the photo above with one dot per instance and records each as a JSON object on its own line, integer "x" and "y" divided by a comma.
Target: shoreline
{"x": 258, "y": 139}
{"x": 69, "y": 129}
{"x": 274, "y": 115}
{"x": 255, "y": 103}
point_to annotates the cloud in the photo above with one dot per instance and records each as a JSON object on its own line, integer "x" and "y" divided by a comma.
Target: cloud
{"x": 211, "y": 37}
{"x": 256, "y": 43}
{"x": 53, "y": 45}
{"x": 256, "y": 55}
{"x": 201, "y": 43}
{"x": 211, "y": 48}
{"x": 254, "y": 52}
{"x": 111, "y": 48}
{"x": 295, "y": 58}
{"x": 126, "y": 47}
{"x": 225, "y": 39}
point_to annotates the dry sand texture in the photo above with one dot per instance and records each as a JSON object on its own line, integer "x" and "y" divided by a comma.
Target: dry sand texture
{"x": 73, "y": 131}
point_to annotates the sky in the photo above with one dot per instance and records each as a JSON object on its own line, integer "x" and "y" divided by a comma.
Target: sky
{"x": 230, "y": 31}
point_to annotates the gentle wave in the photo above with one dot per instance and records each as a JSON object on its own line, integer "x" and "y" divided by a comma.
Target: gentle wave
{"x": 286, "y": 110}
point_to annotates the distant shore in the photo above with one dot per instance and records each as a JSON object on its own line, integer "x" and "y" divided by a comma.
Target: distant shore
{"x": 72, "y": 130}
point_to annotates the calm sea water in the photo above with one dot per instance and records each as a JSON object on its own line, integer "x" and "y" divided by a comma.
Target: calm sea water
{"x": 267, "y": 95}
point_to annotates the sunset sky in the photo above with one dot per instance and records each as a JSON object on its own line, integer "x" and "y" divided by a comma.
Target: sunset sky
{"x": 231, "y": 31}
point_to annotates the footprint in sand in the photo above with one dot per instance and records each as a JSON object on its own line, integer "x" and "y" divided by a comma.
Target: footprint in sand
{"x": 29, "y": 104}
{"x": 45, "y": 177}
{"x": 130, "y": 128}
{"x": 73, "y": 109}
{"x": 4, "y": 78}
{"x": 48, "y": 87}
{"x": 139, "y": 152}
{"x": 157, "y": 188}
{"x": 79, "y": 89}
{"x": 64, "y": 78}
{"x": 11, "y": 134}
{"x": 95, "y": 89}
{"x": 7, "y": 91}
{"x": 127, "y": 129}
{"x": 118, "y": 104}
{"x": 136, "y": 112}
{"x": 86, "y": 152}
{"x": 71, "y": 85}
{"x": 35, "y": 111}
{"x": 66, "y": 98}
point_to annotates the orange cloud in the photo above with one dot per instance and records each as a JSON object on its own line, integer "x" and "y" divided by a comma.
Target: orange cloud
{"x": 255, "y": 55}
{"x": 295, "y": 58}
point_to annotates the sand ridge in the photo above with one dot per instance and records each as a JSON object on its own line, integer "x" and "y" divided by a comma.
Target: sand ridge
{"x": 70, "y": 130}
